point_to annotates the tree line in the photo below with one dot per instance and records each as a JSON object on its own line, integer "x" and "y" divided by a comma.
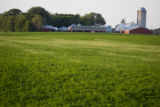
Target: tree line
{"x": 14, "y": 20}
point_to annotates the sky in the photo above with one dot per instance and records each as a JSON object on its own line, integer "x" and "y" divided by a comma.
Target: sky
{"x": 112, "y": 10}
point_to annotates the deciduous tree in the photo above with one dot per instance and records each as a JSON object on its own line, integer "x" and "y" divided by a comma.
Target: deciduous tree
{"x": 12, "y": 12}
{"x": 40, "y": 11}
{"x": 37, "y": 21}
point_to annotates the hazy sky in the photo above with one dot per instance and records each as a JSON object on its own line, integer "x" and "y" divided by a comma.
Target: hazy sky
{"x": 112, "y": 10}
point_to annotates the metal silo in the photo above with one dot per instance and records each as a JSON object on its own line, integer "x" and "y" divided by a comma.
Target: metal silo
{"x": 141, "y": 17}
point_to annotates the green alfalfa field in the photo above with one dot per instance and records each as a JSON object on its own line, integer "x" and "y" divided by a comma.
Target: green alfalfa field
{"x": 79, "y": 69}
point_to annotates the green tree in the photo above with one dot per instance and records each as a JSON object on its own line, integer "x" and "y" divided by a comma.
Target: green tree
{"x": 27, "y": 26}
{"x": 6, "y": 23}
{"x": 20, "y": 23}
{"x": 37, "y": 21}
{"x": 93, "y": 19}
{"x": 40, "y": 11}
{"x": 10, "y": 23}
{"x": 60, "y": 20}
{"x": 2, "y": 23}
{"x": 15, "y": 20}
{"x": 12, "y": 12}
{"x": 99, "y": 20}
{"x": 123, "y": 21}
{"x": 7, "y": 20}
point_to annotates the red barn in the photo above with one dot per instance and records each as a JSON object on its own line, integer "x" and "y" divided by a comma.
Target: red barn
{"x": 139, "y": 30}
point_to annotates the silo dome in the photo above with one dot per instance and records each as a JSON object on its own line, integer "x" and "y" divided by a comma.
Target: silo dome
{"x": 141, "y": 17}
{"x": 142, "y": 9}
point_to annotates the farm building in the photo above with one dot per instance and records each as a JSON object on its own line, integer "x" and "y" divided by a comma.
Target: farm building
{"x": 79, "y": 28}
{"x": 108, "y": 29}
{"x": 141, "y": 17}
{"x": 139, "y": 30}
{"x": 125, "y": 26}
{"x": 63, "y": 29}
{"x": 135, "y": 28}
{"x": 132, "y": 28}
{"x": 48, "y": 28}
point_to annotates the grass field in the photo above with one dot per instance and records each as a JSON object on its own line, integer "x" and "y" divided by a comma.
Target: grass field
{"x": 79, "y": 69}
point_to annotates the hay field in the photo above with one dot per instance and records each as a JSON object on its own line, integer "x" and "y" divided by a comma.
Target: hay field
{"x": 79, "y": 69}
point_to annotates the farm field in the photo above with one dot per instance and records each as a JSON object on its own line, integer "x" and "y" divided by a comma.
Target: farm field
{"x": 79, "y": 69}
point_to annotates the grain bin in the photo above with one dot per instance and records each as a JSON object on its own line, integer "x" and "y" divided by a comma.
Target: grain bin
{"x": 141, "y": 17}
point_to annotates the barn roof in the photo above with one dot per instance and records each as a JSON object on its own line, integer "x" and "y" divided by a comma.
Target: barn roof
{"x": 47, "y": 26}
{"x": 127, "y": 26}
